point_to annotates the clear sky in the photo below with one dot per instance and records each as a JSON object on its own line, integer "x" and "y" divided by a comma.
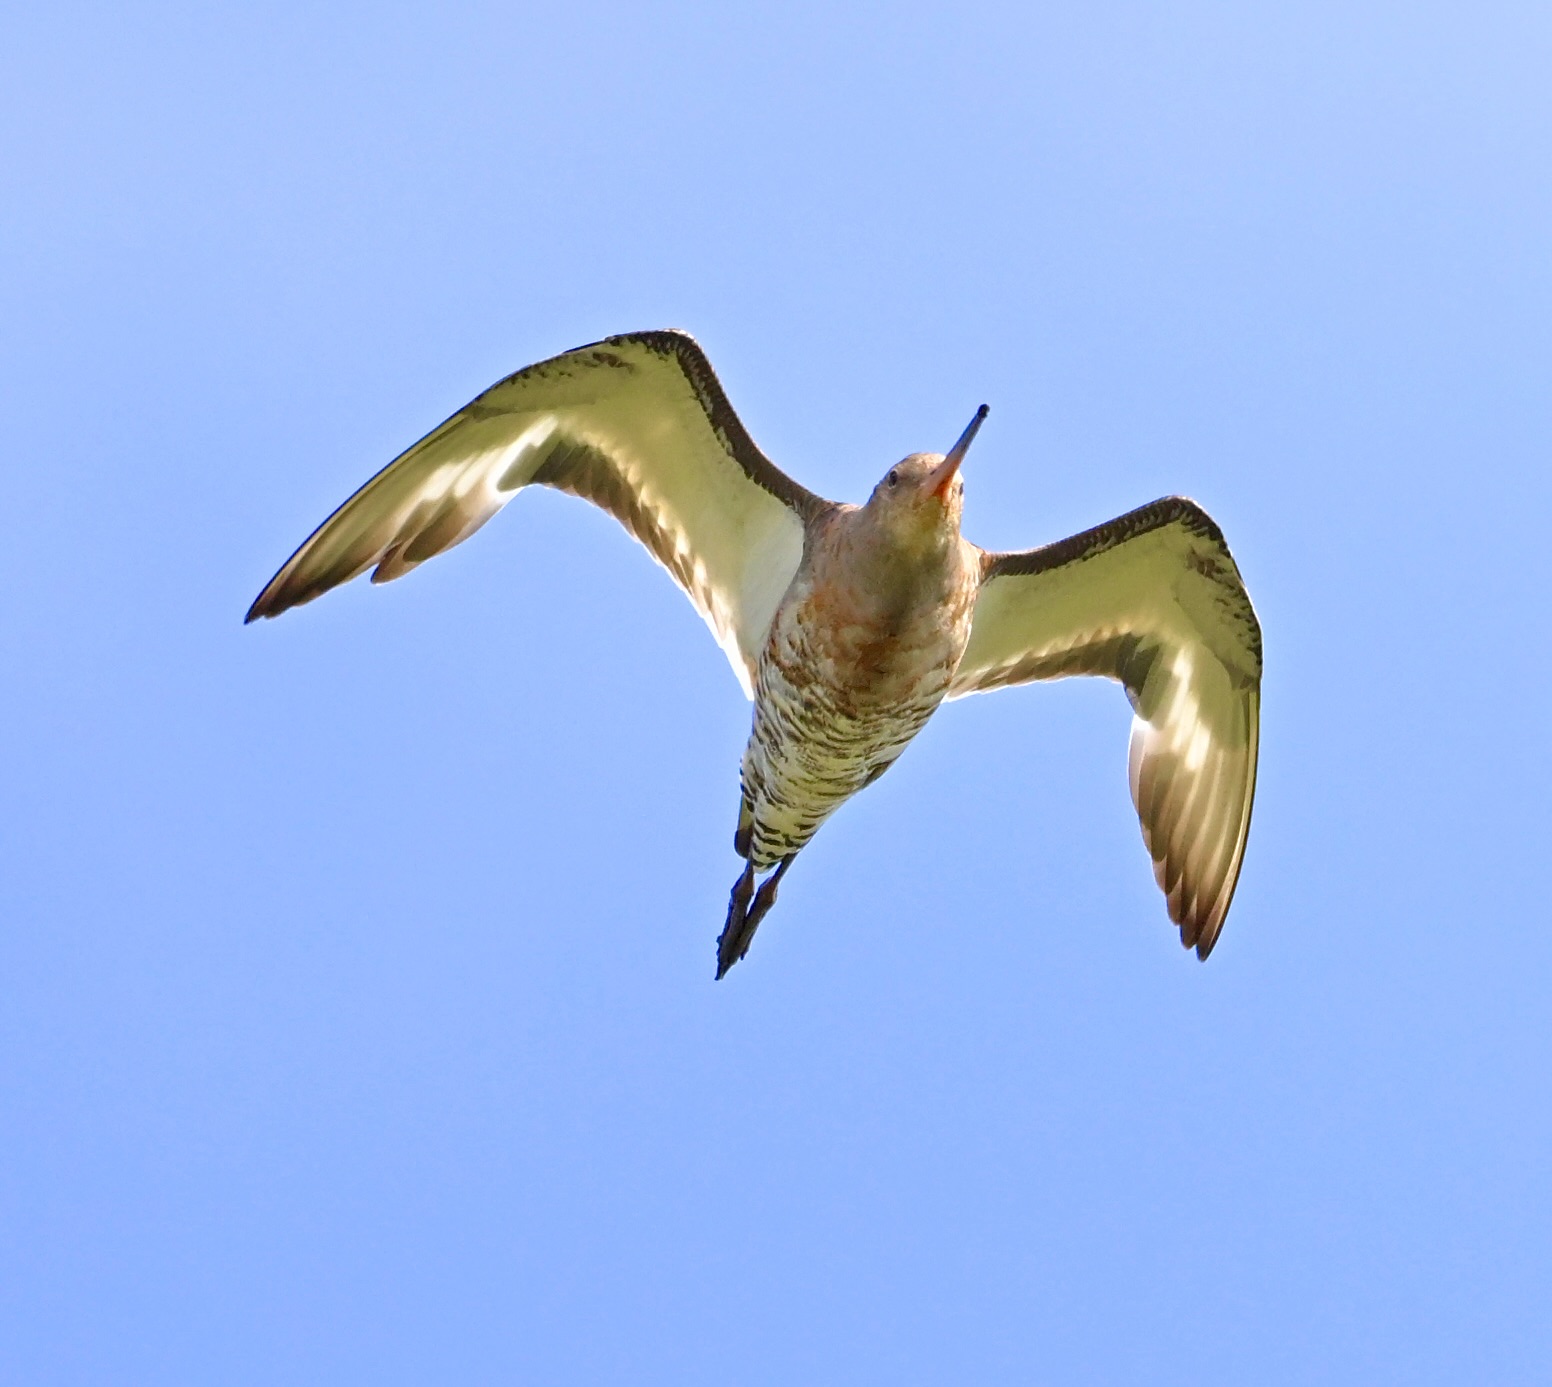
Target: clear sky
{"x": 357, "y": 1020}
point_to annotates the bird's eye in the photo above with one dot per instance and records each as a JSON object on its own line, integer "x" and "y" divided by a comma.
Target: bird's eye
{"x": 893, "y": 479}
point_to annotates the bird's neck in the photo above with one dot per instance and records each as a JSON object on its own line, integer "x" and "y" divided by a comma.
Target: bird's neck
{"x": 897, "y": 570}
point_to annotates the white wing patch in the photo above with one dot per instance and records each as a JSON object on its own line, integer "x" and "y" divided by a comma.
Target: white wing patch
{"x": 639, "y": 426}
{"x": 1154, "y": 600}
{"x": 463, "y": 495}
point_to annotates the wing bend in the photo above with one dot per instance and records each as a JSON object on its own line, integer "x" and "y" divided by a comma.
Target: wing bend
{"x": 1152, "y": 599}
{"x": 637, "y": 424}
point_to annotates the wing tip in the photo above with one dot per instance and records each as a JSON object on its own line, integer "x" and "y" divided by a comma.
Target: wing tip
{"x": 1201, "y": 923}
{"x": 264, "y": 606}
{"x": 278, "y": 597}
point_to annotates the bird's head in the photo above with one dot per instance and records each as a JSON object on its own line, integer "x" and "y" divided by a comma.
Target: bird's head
{"x": 924, "y": 495}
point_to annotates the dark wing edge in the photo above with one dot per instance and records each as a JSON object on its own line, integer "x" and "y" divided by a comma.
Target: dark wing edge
{"x": 400, "y": 540}
{"x": 724, "y": 419}
{"x": 1195, "y": 819}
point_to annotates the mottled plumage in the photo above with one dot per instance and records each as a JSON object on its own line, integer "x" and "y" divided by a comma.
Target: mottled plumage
{"x": 849, "y": 625}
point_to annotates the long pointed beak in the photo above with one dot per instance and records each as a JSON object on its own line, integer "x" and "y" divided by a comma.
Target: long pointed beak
{"x": 943, "y": 474}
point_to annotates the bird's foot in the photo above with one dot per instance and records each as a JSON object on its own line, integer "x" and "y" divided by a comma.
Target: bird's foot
{"x": 744, "y": 915}
{"x": 738, "y": 911}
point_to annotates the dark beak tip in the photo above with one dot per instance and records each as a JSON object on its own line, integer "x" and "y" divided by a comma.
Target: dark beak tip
{"x": 958, "y": 451}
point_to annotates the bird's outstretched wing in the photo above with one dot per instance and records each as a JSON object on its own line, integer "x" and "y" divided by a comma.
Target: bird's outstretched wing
{"x": 638, "y": 425}
{"x": 1154, "y": 600}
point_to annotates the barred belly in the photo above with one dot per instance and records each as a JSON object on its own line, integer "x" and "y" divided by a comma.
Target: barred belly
{"x": 819, "y": 736}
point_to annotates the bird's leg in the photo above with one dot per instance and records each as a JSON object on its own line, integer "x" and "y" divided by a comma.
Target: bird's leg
{"x": 728, "y": 952}
{"x": 767, "y": 896}
{"x": 743, "y": 917}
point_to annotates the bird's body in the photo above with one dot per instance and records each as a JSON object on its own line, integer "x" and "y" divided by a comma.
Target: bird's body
{"x": 861, "y": 651}
{"x": 849, "y": 625}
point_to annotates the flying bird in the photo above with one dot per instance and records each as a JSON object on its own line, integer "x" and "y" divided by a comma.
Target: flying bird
{"x": 848, "y": 625}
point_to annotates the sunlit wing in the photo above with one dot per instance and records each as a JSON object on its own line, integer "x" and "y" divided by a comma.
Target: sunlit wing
{"x": 636, "y": 424}
{"x": 1154, "y": 600}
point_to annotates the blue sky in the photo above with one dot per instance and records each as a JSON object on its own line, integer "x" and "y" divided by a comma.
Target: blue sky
{"x": 356, "y": 1008}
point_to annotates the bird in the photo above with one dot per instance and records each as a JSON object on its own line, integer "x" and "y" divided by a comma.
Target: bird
{"x": 848, "y": 625}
